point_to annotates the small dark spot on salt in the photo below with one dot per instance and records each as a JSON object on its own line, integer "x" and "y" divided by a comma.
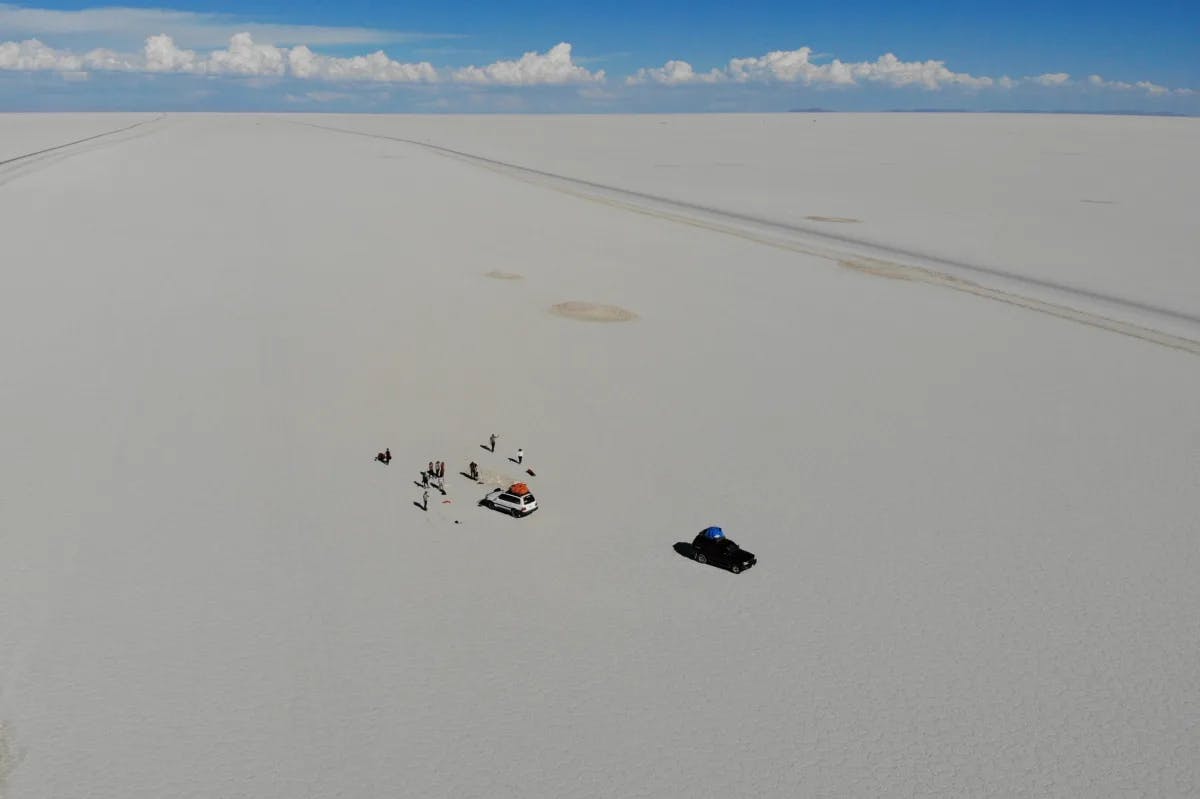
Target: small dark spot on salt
{"x": 845, "y": 220}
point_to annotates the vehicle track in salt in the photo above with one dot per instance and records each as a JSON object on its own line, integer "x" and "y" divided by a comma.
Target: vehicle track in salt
{"x": 865, "y": 256}
{"x": 16, "y": 166}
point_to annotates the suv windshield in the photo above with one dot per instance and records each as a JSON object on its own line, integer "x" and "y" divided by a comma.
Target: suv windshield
{"x": 527, "y": 498}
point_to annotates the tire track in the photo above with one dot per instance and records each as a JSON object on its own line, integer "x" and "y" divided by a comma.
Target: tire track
{"x": 1056, "y": 299}
{"x": 14, "y": 159}
{"x": 16, "y": 163}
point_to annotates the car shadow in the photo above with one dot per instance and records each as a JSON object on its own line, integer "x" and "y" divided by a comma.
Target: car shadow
{"x": 685, "y": 549}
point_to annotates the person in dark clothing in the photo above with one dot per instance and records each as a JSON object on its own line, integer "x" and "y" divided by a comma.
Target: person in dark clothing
{"x": 387, "y": 455}
{"x": 473, "y": 470}
{"x": 492, "y": 439}
{"x": 379, "y": 456}
{"x": 425, "y": 479}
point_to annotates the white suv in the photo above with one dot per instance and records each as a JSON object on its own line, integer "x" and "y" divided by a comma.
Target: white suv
{"x": 507, "y": 502}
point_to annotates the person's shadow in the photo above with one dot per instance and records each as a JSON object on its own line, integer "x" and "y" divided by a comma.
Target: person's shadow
{"x": 420, "y": 506}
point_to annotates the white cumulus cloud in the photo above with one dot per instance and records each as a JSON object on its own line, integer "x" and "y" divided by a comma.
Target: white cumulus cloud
{"x": 674, "y": 73}
{"x": 33, "y": 56}
{"x": 1143, "y": 85}
{"x": 1051, "y": 79}
{"x": 796, "y": 66}
{"x": 1101, "y": 83}
{"x": 304, "y": 63}
{"x": 101, "y": 60}
{"x": 552, "y": 67}
{"x": 246, "y": 57}
{"x": 162, "y": 55}
{"x": 243, "y": 57}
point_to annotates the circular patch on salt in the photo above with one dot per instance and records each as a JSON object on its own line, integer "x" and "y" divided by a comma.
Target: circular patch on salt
{"x": 591, "y": 312}
{"x": 496, "y": 274}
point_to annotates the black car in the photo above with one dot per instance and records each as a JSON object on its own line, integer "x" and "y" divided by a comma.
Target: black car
{"x": 721, "y": 551}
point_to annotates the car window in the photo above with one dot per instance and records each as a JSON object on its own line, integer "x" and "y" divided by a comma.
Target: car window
{"x": 527, "y": 498}
{"x": 508, "y": 498}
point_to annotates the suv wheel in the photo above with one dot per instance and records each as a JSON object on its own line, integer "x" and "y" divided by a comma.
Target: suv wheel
{"x": 700, "y": 558}
{"x": 735, "y": 568}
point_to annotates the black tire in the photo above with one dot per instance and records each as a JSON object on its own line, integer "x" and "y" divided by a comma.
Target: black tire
{"x": 735, "y": 569}
{"x": 700, "y": 558}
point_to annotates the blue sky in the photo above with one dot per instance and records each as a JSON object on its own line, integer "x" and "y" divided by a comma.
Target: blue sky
{"x": 536, "y": 55}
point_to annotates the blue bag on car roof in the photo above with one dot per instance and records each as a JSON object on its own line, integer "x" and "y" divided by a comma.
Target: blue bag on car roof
{"x": 714, "y": 532}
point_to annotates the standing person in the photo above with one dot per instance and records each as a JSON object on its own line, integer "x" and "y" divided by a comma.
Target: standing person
{"x": 520, "y": 455}
{"x": 431, "y": 471}
{"x": 492, "y": 439}
{"x": 387, "y": 455}
{"x": 425, "y": 501}
{"x": 441, "y": 470}
{"x": 424, "y": 479}
{"x": 473, "y": 470}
